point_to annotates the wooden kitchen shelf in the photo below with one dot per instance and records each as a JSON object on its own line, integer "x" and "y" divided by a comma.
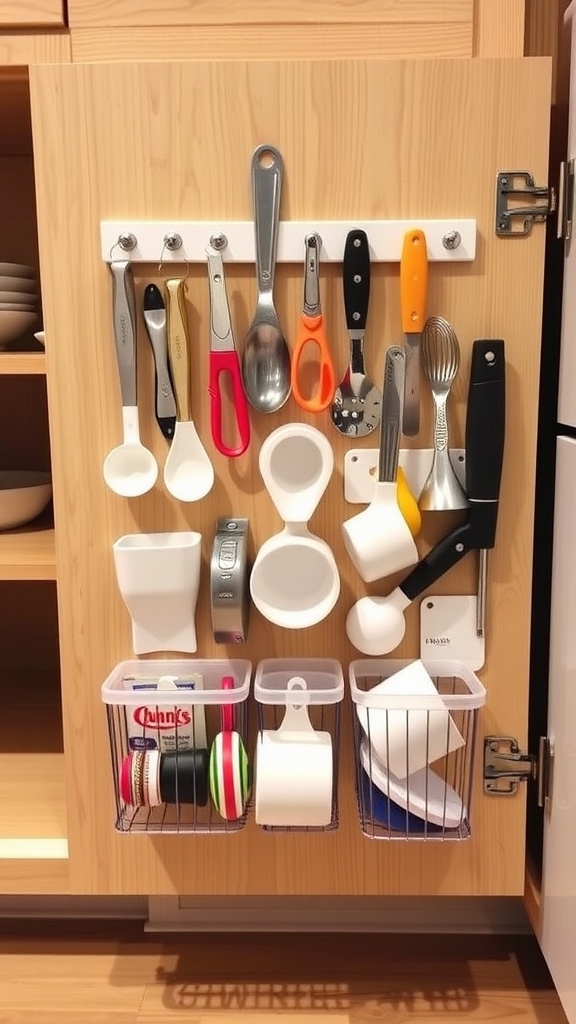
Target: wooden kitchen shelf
{"x": 22, "y": 363}
{"x": 33, "y": 818}
{"x": 28, "y": 554}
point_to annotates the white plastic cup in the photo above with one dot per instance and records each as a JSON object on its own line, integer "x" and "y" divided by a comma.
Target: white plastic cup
{"x": 158, "y": 577}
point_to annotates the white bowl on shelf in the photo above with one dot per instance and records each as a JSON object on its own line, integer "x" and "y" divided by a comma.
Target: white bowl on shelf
{"x": 13, "y": 323}
{"x": 28, "y": 285}
{"x": 39, "y": 335}
{"x": 17, "y": 270}
{"x": 24, "y": 494}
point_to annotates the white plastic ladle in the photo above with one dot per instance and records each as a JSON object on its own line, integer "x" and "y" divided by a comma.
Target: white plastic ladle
{"x": 188, "y": 472}
{"x": 129, "y": 469}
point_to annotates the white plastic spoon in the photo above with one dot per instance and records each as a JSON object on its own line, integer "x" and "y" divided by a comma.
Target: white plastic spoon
{"x": 188, "y": 472}
{"x": 130, "y": 469}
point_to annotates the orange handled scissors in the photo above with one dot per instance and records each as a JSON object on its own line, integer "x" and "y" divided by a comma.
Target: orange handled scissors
{"x": 311, "y": 329}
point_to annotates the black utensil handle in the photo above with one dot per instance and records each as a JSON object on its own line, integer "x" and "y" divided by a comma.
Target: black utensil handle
{"x": 448, "y": 552}
{"x": 356, "y": 279}
{"x": 485, "y": 421}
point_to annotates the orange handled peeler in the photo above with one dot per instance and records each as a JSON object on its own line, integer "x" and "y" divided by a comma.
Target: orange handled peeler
{"x": 311, "y": 329}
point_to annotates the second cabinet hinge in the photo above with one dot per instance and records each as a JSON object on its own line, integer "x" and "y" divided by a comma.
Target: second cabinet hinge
{"x": 514, "y": 216}
{"x": 506, "y": 766}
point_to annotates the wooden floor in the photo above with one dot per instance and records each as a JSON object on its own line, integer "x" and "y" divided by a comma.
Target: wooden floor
{"x": 113, "y": 974}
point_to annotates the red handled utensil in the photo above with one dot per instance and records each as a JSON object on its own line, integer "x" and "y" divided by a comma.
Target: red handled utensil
{"x": 224, "y": 359}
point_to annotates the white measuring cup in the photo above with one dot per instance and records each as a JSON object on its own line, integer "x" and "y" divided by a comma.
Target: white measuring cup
{"x": 295, "y": 581}
{"x": 294, "y": 770}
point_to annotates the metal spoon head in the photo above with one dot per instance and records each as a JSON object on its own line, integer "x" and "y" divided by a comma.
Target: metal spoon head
{"x": 130, "y": 470}
{"x": 440, "y": 352}
{"x": 266, "y": 366}
{"x": 356, "y": 405}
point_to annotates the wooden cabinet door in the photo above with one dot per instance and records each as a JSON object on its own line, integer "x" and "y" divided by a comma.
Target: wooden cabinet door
{"x": 360, "y": 139}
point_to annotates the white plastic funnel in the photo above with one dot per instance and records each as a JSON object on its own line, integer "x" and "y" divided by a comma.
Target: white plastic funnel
{"x": 295, "y": 581}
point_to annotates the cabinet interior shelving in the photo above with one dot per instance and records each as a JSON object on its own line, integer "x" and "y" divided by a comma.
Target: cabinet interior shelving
{"x": 33, "y": 825}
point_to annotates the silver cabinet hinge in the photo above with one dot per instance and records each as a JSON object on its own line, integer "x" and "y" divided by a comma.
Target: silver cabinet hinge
{"x": 506, "y": 766}
{"x": 514, "y": 217}
{"x": 566, "y": 200}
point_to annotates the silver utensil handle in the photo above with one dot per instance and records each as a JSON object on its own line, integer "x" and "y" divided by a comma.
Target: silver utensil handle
{"x": 267, "y": 168}
{"x": 165, "y": 401}
{"x": 220, "y": 324}
{"x": 124, "y": 317}
{"x": 440, "y": 423}
{"x": 411, "y": 419}
{"x": 481, "y": 600}
{"x": 392, "y": 409}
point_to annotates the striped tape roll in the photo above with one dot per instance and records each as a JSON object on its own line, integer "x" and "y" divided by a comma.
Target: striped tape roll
{"x": 229, "y": 775}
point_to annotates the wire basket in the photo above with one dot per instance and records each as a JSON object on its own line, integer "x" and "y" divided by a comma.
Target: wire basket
{"x": 178, "y": 737}
{"x": 414, "y": 738}
{"x": 297, "y": 748}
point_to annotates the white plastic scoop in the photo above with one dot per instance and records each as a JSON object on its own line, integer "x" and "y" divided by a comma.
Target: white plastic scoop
{"x": 130, "y": 469}
{"x": 378, "y": 539}
{"x": 188, "y": 472}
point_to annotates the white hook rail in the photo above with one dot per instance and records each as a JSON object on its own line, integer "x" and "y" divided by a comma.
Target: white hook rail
{"x": 448, "y": 241}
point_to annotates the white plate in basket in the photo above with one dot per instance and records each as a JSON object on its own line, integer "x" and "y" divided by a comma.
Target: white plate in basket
{"x": 423, "y": 793}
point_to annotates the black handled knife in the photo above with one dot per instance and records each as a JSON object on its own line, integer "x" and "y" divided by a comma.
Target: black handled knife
{"x": 485, "y": 427}
{"x": 154, "y": 312}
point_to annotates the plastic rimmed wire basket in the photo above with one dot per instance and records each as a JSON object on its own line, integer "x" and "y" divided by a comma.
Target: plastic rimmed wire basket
{"x": 414, "y": 726}
{"x": 178, "y": 734}
{"x": 298, "y": 702}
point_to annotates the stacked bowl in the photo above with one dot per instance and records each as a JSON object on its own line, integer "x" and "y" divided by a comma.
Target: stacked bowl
{"x": 18, "y": 298}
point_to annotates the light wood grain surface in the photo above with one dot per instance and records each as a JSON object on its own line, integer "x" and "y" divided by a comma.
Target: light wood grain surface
{"x": 28, "y": 554}
{"x": 181, "y": 30}
{"x": 22, "y": 363}
{"x": 33, "y": 13}
{"x": 499, "y": 28}
{"x": 107, "y": 974}
{"x": 290, "y": 41}
{"x": 201, "y": 12}
{"x": 347, "y": 154}
{"x": 26, "y": 47}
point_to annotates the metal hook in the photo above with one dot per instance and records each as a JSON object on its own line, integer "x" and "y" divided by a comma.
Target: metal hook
{"x": 173, "y": 242}
{"x": 126, "y": 241}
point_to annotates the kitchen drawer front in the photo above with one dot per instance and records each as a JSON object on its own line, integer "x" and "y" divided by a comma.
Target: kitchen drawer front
{"x": 32, "y": 14}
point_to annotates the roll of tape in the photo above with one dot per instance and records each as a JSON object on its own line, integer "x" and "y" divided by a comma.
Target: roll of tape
{"x": 184, "y": 777}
